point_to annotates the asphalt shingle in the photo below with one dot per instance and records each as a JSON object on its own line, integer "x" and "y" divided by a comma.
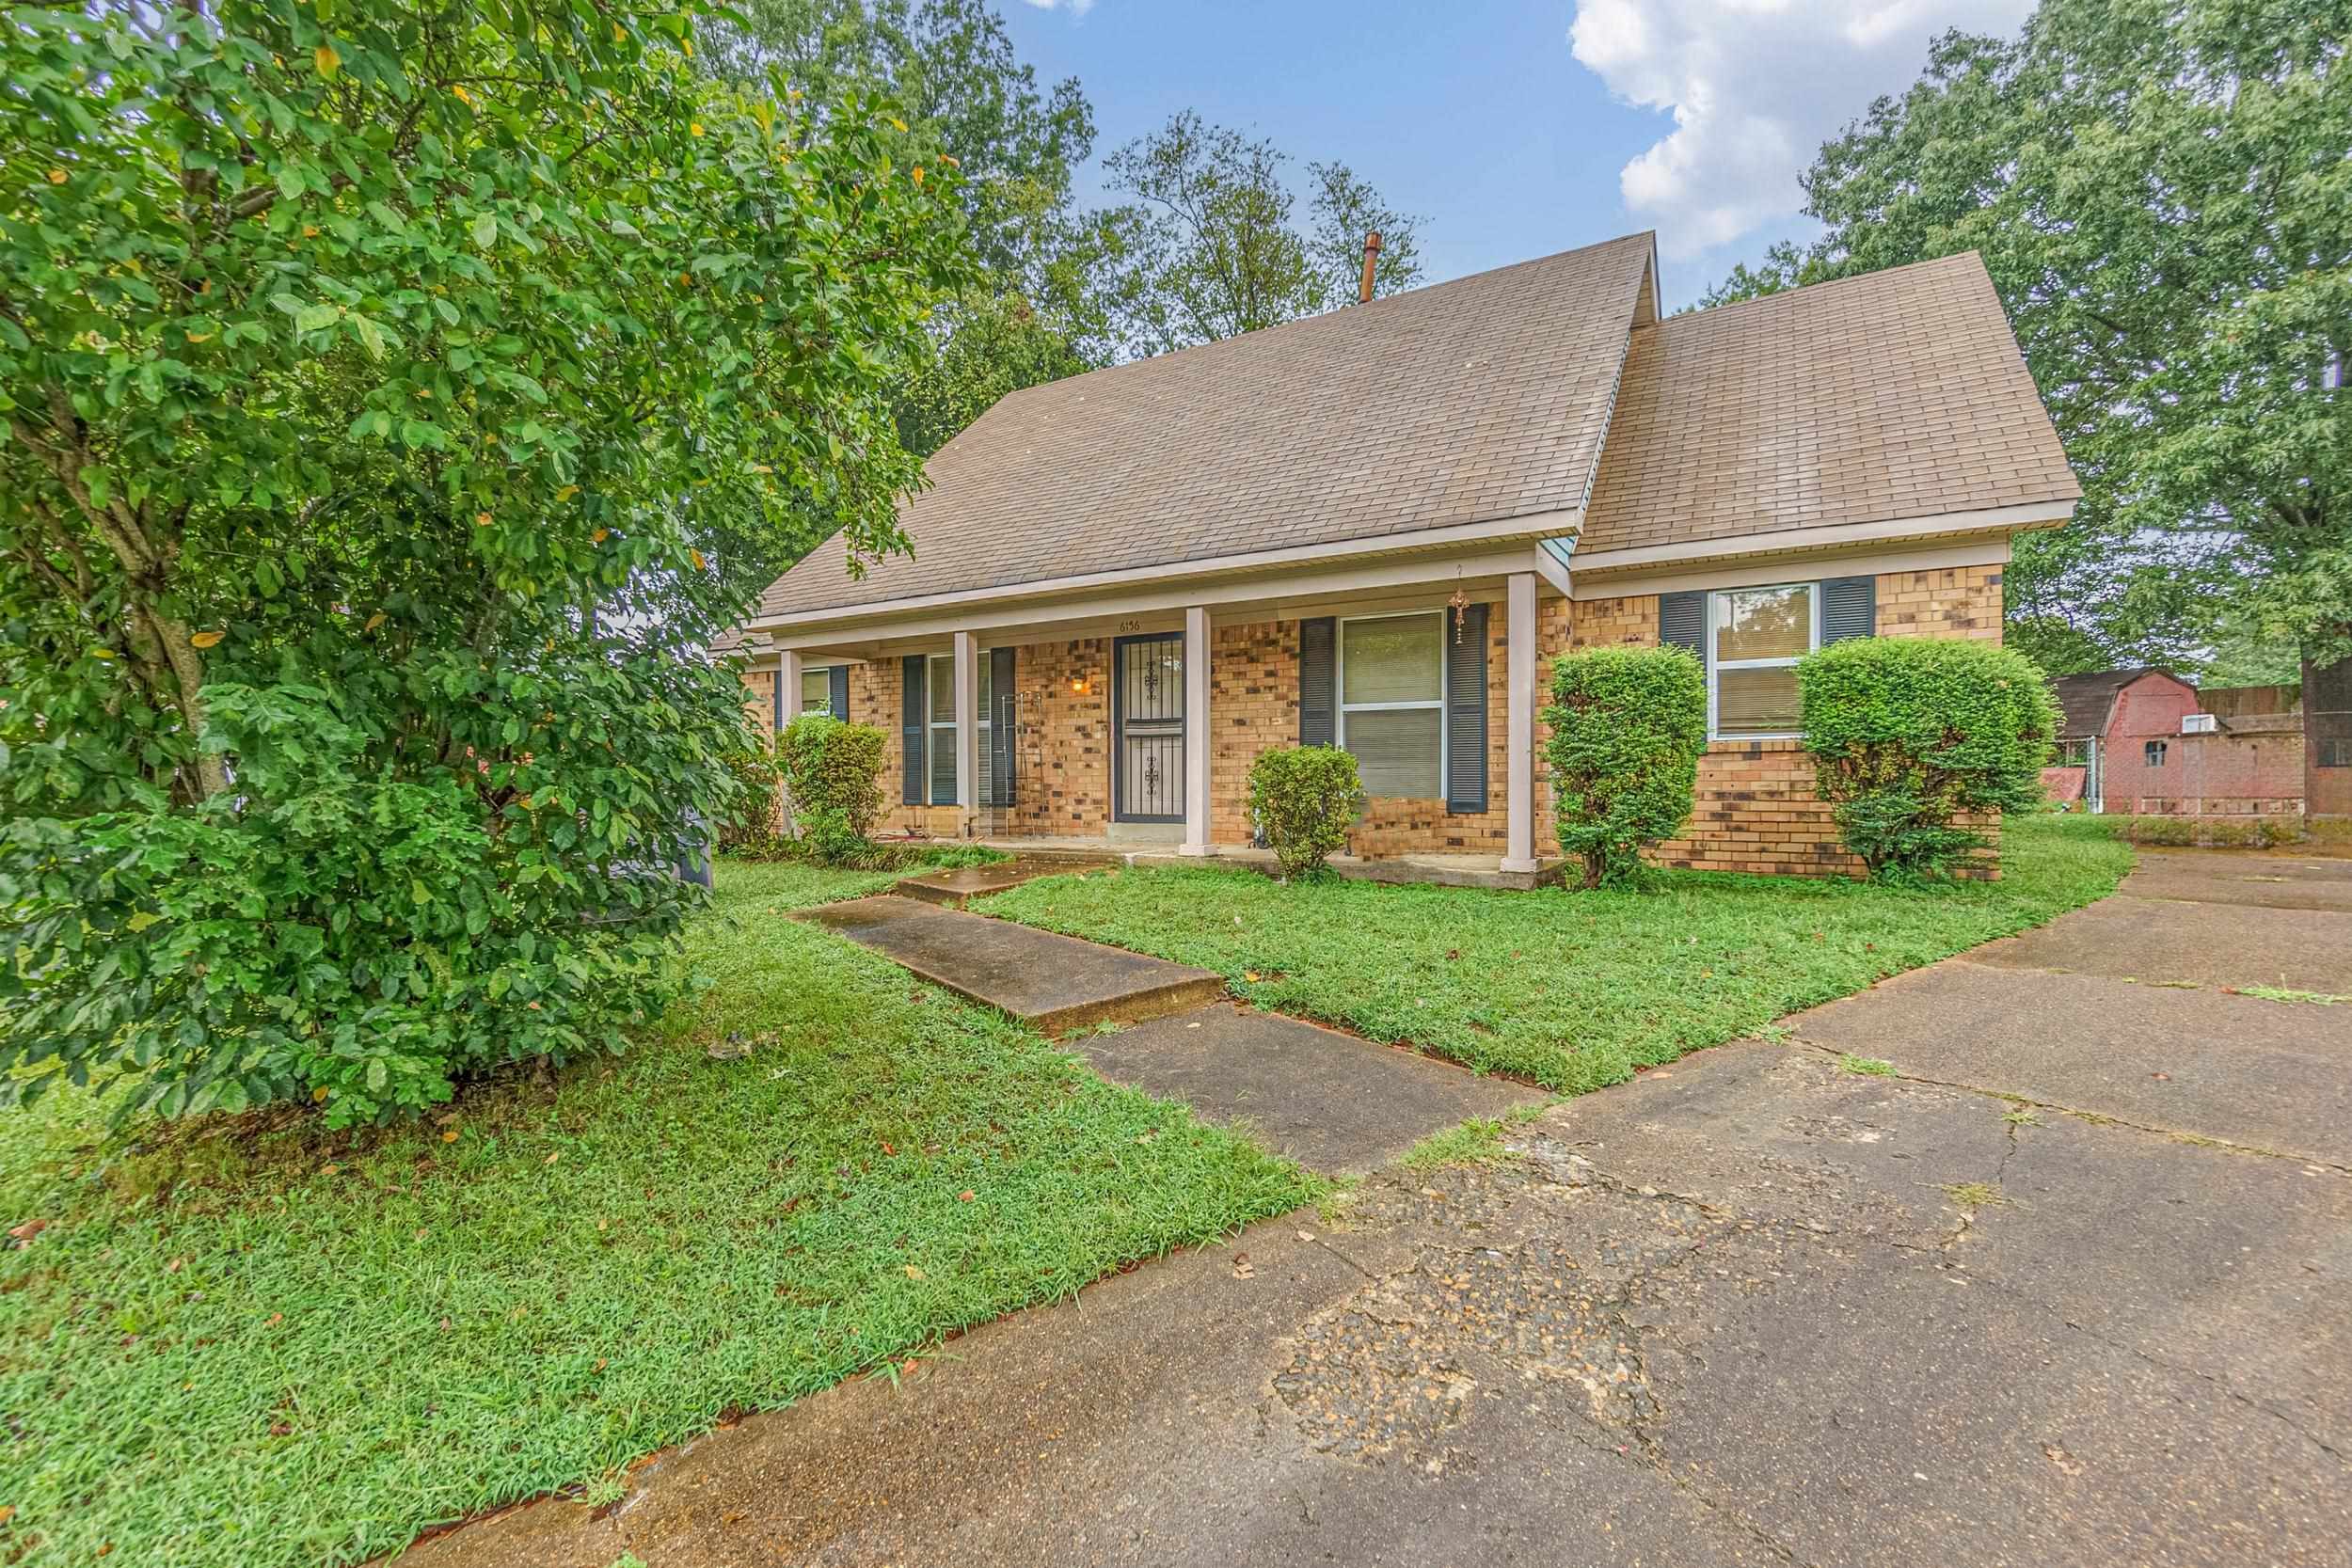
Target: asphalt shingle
{"x": 1479, "y": 399}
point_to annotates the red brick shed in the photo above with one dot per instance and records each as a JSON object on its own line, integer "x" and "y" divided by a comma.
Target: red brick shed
{"x": 2142, "y": 742}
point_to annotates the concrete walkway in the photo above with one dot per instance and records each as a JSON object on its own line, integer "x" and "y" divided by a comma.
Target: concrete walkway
{"x": 1054, "y": 982}
{"x": 1331, "y": 1102}
{"x": 957, "y": 886}
{"x": 1750, "y": 1310}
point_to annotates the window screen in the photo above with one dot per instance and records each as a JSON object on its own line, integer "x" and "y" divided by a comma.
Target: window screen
{"x": 1757, "y": 636}
{"x": 1393, "y": 702}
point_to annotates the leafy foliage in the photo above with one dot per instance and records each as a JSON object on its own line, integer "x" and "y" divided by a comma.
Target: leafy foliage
{"x": 750, "y": 816}
{"x": 314, "y": 1345}
{"x": 834, "y": 770}
{"x": 970, "y": 101}
{"x": 1627, "y": 726}
{"x": 1908, "y": 733}
{"x": 2158, "y": 190}
{"x": 994, "y": 344}
{"x": 1208, "y": 249}
{"x": 950, "y": 68}
{"x": 1304, "y": 798}
{"x": 394, "y": 403}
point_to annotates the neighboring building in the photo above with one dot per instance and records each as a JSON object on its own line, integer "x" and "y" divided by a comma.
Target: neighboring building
{"x": 1372, "y": 527}
{"x": 2145, "y": 743}
{"x": 2327, "y": 741}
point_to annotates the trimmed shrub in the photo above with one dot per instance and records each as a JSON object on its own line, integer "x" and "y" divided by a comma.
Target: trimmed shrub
{"x": 750, "y": 818}
{"x": 1303, "y": 799}
{"x": 1627, "y": 725}
{"x": 1908, "y": 733}
{"x": 834, "y": 767}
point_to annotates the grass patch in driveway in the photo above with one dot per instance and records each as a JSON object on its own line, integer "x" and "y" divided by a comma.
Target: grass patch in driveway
{"x": 233, "y": 1345}
{"x": 1571, "y": 990}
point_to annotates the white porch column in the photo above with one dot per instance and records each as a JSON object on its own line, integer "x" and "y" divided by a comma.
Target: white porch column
{"x": 967, "y": 727}
{"x": 786, "y": 707}
{"x": 1196, "y": 730}
{"x": 1519, "y": 785}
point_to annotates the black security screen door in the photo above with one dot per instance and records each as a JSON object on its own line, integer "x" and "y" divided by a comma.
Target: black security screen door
{"x": 1147, "y": 720}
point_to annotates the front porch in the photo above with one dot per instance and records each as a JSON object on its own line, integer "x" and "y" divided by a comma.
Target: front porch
{"x": 1038, "y": 856}
{"x": 1128, "y": 728}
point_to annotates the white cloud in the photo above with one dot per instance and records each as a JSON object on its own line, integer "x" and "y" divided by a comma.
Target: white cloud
{"x": 1755, "y": 87}
{"x": 1075, "y": 8}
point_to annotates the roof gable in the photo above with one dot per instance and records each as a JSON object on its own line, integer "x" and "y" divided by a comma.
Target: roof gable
{"x": 2087, "y": 703}
{"x": 1481, "y": 398}
{"x": 1889, "y": 396}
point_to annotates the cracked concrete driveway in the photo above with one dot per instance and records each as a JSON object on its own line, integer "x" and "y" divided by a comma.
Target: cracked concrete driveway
{"x": 2069, "y": 1287}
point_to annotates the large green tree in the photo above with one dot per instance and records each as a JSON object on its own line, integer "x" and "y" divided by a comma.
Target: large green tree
{"x": 1208, "y": 247}
{"x": 2162, "y": 191}
{"x": 952, "y": 69}
{"x": 395, "y": 400}
{"x": 968, "y": 98}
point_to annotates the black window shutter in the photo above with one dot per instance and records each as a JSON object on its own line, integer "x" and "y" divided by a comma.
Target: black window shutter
{"x": 1318, "y": 689}
{"x": 841, "y": 694}
{"x": 781, "y": 720}
{"x": 1001, "y": 737}
{"x": 1465, "y": 712}
{"x": 1682, "y": 622}
{"x": 913, "y": 712}
{"x": 1849, "y": 607}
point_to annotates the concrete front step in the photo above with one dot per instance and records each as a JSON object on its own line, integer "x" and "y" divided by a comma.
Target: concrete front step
{"x": 958, "y": 886}
{"x": 1054, "y": 982}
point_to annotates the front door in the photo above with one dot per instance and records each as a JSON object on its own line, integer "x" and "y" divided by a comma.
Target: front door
{"x": 1147, "y": 728}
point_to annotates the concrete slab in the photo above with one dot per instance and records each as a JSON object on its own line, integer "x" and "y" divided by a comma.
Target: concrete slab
{"x": 953, "y": 888}
{"x": 1329, "y": 1101}
{"x": 1054, "y": 982}
{"x": 2209, "y": 944}
{"x": 1729, "y": 1314}
{"x": 1439, "y": 870}
{"x": 1750, "y": 1308}
{"x": 2274, "y": 1075}
{"x": 2282, "y": 879}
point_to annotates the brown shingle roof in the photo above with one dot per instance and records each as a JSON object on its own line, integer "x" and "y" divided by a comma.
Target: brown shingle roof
{"x": 2085, "y": 703}
{"x": 1893, "y": 395}
{"x": 1471, "y": 400}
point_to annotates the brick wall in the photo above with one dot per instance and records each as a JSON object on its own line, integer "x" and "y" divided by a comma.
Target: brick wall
{"x": 1756, "y": 810}
{"x": 1954, "y": 601}
{"x": 1253, "y": 706}
{"x": 1063, "y": 775}
{"x": 2207, "y": 775}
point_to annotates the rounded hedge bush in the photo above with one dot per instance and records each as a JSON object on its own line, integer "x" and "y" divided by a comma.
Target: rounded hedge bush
{"x": 833, "y": 771}
{"x": 1910, "y": 734}
{"x": 1303, "y": 799}
{"x": 1627, "y": 725}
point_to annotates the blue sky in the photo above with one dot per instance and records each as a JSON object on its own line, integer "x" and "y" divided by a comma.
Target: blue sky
{"x": 1511, "y": 129}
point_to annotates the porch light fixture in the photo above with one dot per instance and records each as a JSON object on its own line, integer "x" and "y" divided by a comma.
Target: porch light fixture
{"x": 1079, "y": 685}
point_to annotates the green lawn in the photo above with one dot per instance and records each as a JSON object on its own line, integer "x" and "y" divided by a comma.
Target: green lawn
{"x": 236, "y": 1346}
{"x": 1571, "y": 990}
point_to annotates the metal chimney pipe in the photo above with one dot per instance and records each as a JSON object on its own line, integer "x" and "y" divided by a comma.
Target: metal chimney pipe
{"x": 1372, "y": 255}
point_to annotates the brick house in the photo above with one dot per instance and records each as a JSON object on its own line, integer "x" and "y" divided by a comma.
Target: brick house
{"x": 1372, "y": 528}
{"x": 2147, "y": 743}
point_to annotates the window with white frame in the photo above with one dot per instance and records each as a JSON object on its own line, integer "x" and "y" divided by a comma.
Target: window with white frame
{"x": 1393, "y": 702}
{"x": 1756, "y": 636}
{"x": 816, "y": 689}
{"x": 939, "y": 678}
